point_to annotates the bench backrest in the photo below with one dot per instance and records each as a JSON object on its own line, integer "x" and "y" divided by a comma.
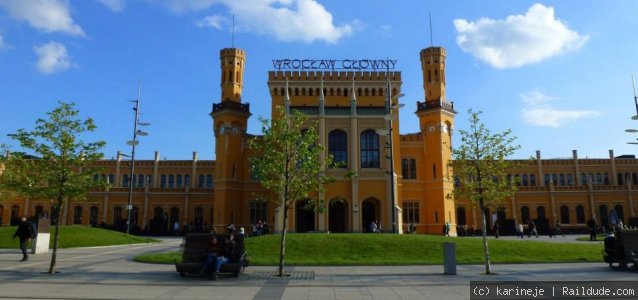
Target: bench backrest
{"x": 196, "y": 245}
{"x": 629, "y": 241}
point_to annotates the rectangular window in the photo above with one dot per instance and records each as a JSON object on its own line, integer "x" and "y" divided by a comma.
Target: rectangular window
{"x": 258, "y": 211}
{"x": 408, "y": 168}
{"x": 201, "y": 182}
{"x": 163, "y": 181}
{"x": 411, "y": 212}
{"x": 209, "y": 181}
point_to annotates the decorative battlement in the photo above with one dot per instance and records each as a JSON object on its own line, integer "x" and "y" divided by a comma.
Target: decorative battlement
{"x": 242, "y": 107}
{"x": 433, "y": 104}
{"x": 333, "y": 76}
{"x": 232, "y": 52}
{"x": 433, "y": 50}
{"x": 412, "y": 137}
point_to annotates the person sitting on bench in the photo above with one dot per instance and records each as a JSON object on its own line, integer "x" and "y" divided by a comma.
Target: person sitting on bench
{"x": 211, "y": 258}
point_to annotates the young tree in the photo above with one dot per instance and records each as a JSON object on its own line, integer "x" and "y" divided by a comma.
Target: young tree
{"x": 287, "y": 163}
{"x": 63, "y": 170}
{"x": 480, "y": 166}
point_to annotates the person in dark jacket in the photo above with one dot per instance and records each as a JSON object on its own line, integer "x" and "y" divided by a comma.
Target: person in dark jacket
{"x": 25, "y": 233}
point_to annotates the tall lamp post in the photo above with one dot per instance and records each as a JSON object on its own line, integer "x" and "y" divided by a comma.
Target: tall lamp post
{"x": 636, "y": 116}
{"x": 133, "y": 143}
{"x": 390, "y": 145}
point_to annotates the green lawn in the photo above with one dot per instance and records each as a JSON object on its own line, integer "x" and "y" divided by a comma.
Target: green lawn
{"x": 78, "y": 236}
{"x": 601, "y": 237}
{"x": 387, "y": 249}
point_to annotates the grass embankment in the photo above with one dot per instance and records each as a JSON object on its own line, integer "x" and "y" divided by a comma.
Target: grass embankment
{"x": 78, "y": 236}
{"x": 601, "y": 237}
{"x": 387, "y": 249}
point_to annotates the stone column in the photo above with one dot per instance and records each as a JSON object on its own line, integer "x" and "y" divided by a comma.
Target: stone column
{"x": 193, "y": 172}
{"x": 539, "y": 168}
{"x": 118, "y": 162}
{"x": 576, "y": 168}
{"x": 613, "y": 178}
{"x": 155, "y": 170}
{"x": 354, "y": 163}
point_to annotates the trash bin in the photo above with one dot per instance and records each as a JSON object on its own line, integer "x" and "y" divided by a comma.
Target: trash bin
{"x": 449, "y": 258}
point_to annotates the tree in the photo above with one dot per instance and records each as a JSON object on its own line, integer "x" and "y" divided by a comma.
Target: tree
{"x": 480, "y": 167}
{"x": 287, "y": 163}
{"x": 63, "y": 169}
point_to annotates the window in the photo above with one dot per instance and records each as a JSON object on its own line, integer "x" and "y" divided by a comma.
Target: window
{"x": 179, "y": 181}
{"x": 111, "y": 178}
{"x": 599, "y": 178}
{"x": 555, "y": 179}
{"x": 15, "y": 215}
{"x": 171, "y": 181}
{"x": 187, "y": 180}
{"x": 338, "y": 147}
{"x": 546, "y": 179}
{"x": 369, "y": 149}
{"x": 570, "y": 179}
{"x": 77, "y": 215}
{"x": 460, "y": 216}
{"x": 258, "y": 211}
{"x": 606, "y": 178}
{"x": 140, "y": 180}
{"x": 583, "y": 178}
{"x": 408, "y": 168}
{"x": 411, "y": 212}
{"x": 125, "y": 181}
{"x": 580, "y": 214}
{"x": 620, "y": 179}
{"x": 525, "y": 182}
{"x": 564, "y": 214}
{"x": 532, "y": 180}
{"x": 209, "y": 181}
{"x": 93, "y": 215}
{"x": 525, "y": 214}
{"x": 562, "y": 179}
{"x": 201, "y": 183}
{"x": 163, "y": 181}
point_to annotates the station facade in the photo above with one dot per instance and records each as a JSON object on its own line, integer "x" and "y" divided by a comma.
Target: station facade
{"x": 352, "y": 110}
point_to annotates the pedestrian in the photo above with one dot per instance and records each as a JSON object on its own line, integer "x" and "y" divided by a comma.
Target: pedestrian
{"x": 24, "y": 233}
{"x": 496, "y": 228}
{"x": 520, "y": 230}
{"x": 592, "y": 228}
{"x": 557, "y": 230}
{"x": 532, "y": 229}
{"x": 446, "y": 228}
{"x": 372, "y": 227}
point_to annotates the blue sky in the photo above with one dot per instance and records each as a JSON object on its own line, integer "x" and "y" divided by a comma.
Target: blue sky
{"x": 556, "y": 73}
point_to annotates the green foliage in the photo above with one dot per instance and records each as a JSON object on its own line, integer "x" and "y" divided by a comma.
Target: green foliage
{"x": 314, "y": 249}
{"x": 63, "y": 168}
{"x": 480, "y": 164}
{"x": 287, "y": 160}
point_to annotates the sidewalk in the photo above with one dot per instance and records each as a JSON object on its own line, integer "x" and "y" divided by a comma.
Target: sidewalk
{"x": 109, "y": 273}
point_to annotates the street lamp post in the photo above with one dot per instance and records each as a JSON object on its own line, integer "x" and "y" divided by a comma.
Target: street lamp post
{"x": 133, "y": 143}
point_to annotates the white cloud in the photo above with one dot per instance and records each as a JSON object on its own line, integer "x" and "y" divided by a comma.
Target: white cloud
{"x": 114, "y": 5}
{"x": 44, "y": 15}
{"x": 540, "y": 113}
{"x": 214, "y": 21}
{"x": 285, "y": 20}
{"x": 518, "y": 39}
{"x": 52, "y": 58}
{"x": 1, "y": 42}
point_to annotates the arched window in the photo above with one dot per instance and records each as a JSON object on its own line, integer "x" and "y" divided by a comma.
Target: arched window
{"x": 619, "y": 212}
{"x": 564, "y": 214}
{"x": 77, "y": 215}
{"x": 524, "y": 179}
{"x": 580, "y": 214}
{"x": 369, "y": 149}
{"x": 125, "y": 180}
{"x": 199, "y": 218}
{"x": 201, "y": 183}
{"x": 187, "y": 180}
{"x": 540, "y": 213}
{"x": 163, "y": 181}
{"x": 338, "y": 147}
{"x": 111, "y": 179}
{"x": 606, "y": 178}
{"x": 525, "y": 214}
{"x": 460, "y": 216}
{"x": 93, "y": 215}
{"x": 532, "y": 180}
{"x": 171, "y": 181}
{"x": 209, "y": 181}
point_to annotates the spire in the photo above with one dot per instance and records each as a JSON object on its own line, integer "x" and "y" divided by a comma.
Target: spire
{"x": 287, "y": 99}
{"x": 353, "y": 102}
{"x": 322, "y": 100}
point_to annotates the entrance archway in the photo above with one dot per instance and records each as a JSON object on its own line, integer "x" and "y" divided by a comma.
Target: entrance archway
{"x": 338, "y": 216}
{"x": 369, "y": 212}
{"x": 304, "y": 218}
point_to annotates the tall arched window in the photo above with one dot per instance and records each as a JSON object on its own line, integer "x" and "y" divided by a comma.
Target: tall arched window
{"x": 580, "y": 214}
{"x": 524, "y": 214}
{"x": 564, "y": 214}
{"x": 179, "y": 180}
{"x": 163, "y": 181}
{"x": 171, "y": 181}
{"x": 93, "y": 215}
{"x": 117, "y": 215}
{"x": 369, "y": 149}
{"x": 338, "y": 147}
{"x": 125, "y": 180}
{"x": 540, "y": 213}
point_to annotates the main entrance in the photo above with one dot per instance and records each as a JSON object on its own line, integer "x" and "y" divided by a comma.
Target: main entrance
{"x": 337, "y": 214}
{"x": 304, "y": 218}
{"x": 370, "y": 212}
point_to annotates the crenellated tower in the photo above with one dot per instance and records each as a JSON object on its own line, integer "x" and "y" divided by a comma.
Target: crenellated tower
{"x": 230, "y": 122}
{"x": 436, "y": 120}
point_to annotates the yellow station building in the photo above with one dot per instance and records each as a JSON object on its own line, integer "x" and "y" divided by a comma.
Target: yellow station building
{"x": 351, "y": 109}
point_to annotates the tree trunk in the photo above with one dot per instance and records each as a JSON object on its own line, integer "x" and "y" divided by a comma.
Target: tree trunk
{"x": 56, "y": 236}
{"x": 282, "y": 248}
{"x": 486, "y": 250}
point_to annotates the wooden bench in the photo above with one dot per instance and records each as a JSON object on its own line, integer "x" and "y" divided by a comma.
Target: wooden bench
{"x": 621, "y": 250}
{"x": 196, "y": 251}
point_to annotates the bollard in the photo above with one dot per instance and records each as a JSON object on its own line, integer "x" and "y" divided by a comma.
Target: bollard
{"x": 449, "y": 258}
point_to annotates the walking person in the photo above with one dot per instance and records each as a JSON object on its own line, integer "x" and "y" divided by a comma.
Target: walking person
{"x": 532, "y": 229}
{"x": 496, "y": 228}
{"x": 520, "y": 230}
{"x": 557, "y": 230}
{"x": 25, "y": 233}
{"x": 592, "y": 228}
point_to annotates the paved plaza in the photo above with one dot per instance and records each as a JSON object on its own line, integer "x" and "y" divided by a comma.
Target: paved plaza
{"x": 110, "y": 273}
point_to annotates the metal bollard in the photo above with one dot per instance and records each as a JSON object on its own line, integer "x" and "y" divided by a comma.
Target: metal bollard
{"x": 449, "y": 258}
